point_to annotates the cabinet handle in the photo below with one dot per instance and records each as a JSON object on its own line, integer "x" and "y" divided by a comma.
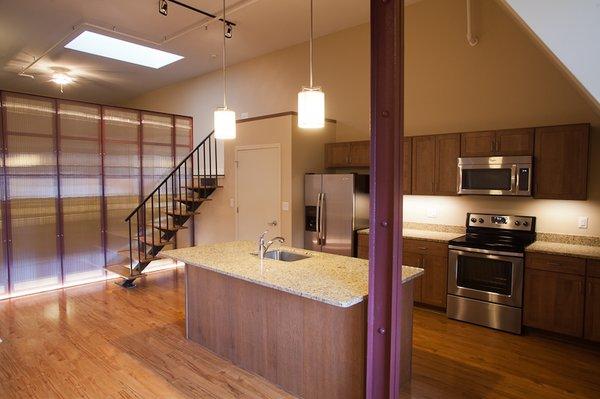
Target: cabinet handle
{"x": 555, "y": 264}
{"x": 492, "y": 146}
{"x": 589, "y": 288}
{"x": 580, "y": 287}
{"x": 423, "y": 248}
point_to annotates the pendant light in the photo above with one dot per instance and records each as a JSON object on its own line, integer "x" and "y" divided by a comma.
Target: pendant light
{"x": 311, "y": 100}
{"x": 224, "y": 118}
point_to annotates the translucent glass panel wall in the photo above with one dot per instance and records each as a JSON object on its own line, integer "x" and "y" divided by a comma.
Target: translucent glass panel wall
{"x": 70, "y": 173}
{"x": 157, "y": 149}
{"x": 121, "y": 177}
{"x": 80, "y": 177}
{"x": 31, "y": 192}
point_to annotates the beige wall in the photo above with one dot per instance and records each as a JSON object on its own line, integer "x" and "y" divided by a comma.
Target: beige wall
{"x": 269, "y": 84}
{"x": 217, "y": 219}
{"x": 506, "y": 81}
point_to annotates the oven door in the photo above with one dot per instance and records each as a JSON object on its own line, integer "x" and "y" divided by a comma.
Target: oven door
{"x": 485, "y": 275}
{"x": 487, "y": 179}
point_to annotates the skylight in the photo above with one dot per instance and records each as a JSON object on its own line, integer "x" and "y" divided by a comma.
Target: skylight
{"x": 106, "y": 46}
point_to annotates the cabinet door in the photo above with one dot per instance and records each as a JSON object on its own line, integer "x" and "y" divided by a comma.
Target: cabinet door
{"x": 407, "y": 166}
{"x": 360, "y": 154}
{"x": 337, "y": 155}
{"x": 477, "y": 144}
{"x": 592, "y": 309}
{"x": 423, "y": 165}
{"x": 554, "y": 302}
{"x": 447, "y": 152}
{"x": 414, "y": 260}
{"x": 561, "y": 162}
{"x": 435, "y": 280}
{"x": 363, "y": 246}
{"x": 514, "y": 142}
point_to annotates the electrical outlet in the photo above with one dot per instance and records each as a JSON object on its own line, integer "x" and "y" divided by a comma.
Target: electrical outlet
{"x": 582, "y": 222}
{"x": 285, "y": 206}
{"x": 232, "y": 202}
{"x": 432, "y": 212}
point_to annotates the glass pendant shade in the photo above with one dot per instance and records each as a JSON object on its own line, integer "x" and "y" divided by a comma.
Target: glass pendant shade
{"x": 311, "y": 108}
{"x": 224, "y": 120}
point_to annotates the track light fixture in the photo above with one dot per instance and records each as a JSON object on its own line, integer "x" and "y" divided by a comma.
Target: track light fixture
{"x": 224, "y": 118}
{"x": 163, "y": 7}
{"x": 229, "y": 31}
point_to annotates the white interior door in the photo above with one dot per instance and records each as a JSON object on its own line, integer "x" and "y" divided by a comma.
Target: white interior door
{"x": 258, "y": 191}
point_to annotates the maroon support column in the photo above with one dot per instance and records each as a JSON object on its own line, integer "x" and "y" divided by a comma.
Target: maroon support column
{"x": 385, "y": 268}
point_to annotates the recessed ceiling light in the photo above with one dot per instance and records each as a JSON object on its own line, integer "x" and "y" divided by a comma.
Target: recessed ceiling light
{"x": 106, "y": 46}
{"x": 61, "y": 79}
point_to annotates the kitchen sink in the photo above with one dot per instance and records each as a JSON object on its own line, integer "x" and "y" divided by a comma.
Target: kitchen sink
{"x": 285, "y": 256}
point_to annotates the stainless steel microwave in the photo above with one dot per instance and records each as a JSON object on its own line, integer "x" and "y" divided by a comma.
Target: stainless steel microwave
{"x": 495, "y": 176}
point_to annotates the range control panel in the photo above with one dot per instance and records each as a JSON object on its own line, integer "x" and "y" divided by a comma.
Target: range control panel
{"x": 522, "y": 223}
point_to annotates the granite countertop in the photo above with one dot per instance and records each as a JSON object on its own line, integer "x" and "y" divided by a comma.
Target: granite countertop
{"x": 428, "y": 235}
{"x": 336, "y": 280}
{"x": 557, "y": 248}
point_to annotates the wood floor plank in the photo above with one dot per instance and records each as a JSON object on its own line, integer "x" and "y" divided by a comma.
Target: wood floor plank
{"x": 101, "y": 341}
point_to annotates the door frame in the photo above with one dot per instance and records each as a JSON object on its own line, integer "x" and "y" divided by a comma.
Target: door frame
{"x": 384, "y": 309}
{"x": 250, "y": 148}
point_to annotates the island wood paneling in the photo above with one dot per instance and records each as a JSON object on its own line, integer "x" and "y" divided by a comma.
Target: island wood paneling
{"x": 311, "y": 349}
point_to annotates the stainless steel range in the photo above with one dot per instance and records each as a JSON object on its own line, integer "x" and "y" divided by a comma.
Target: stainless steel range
{"x": 485, "y": 271}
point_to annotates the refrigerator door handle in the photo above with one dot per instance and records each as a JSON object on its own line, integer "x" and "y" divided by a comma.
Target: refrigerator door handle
{"x": 318, "y": 221}
{"x": 322, "y": 220}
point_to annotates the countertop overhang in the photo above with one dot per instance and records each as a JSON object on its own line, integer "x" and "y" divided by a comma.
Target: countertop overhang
{"x": 333, "y": 279}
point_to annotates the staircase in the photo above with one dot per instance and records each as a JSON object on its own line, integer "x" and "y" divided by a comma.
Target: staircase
{"x": 154, "y": 223}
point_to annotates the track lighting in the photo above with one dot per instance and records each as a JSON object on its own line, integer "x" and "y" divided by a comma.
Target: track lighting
{"x": 163, "y": 7}
{"x": 229, "y": 31}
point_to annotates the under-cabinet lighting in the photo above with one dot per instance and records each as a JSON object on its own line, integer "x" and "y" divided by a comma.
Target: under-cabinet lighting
{"x": 109, "y": 47}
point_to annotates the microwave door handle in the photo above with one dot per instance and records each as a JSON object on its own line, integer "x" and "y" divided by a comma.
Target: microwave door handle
{"x": 515, "y": 180}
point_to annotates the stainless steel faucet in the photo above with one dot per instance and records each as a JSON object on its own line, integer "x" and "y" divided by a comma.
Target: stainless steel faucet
{"x": 262, "y": 247}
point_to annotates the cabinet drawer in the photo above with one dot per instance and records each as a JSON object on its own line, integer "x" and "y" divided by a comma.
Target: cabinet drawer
{"x": 555, "y": 263}
{"x": 425, "y": 247}
{"x": 593, "y": 268}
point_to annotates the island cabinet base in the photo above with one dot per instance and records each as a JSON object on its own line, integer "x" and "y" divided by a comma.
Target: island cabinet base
{"x": 309, "y": 348}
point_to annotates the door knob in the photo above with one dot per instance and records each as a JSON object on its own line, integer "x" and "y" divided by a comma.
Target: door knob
{"x": 273, "y": 223}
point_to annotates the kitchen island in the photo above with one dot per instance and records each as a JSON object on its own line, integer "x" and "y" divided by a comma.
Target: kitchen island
{"x": 300, "y": 324}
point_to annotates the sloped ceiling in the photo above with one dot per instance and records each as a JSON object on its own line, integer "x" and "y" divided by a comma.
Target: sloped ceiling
{"x": 570, "y": 32}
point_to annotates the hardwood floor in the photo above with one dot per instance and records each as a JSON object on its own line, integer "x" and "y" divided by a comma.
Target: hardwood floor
{"x": 100, "y": 341}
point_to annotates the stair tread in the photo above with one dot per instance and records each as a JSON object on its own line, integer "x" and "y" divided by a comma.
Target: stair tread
{"x": 197, "y": 187}
{"x": 157, "y": 243}
{"x": 179, "y": 213}
{"x": 163, "y": 226}
{"x": 124, "y": 271}
{"x": 191, "y": 199}
{"x": 145, "y": 257}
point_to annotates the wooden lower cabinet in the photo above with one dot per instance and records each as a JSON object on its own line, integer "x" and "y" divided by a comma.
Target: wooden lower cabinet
{"x": 553, "y": 301}
{"x": 592, "y": 309}
{"x": 362, "y": 250}
{"x": 431, "y": 288}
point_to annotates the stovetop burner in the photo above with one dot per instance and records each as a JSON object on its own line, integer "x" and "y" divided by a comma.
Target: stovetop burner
{"x": 497, "y": 233}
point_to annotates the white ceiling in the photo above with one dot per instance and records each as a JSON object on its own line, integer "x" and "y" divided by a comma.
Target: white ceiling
{"x": 28, "y": 28}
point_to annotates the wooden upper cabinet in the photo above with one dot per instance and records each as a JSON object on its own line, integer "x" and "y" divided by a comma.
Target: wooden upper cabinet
{"x": 561, "y": 162}
{"x": 407, "y": 166}
{"x": 514, "y": 142}
{"x": 337, "y": 155}
{"x": 360, "y": 154}
{"x": 447, "y": 152}
{"x": 423, "y": 165}
{"x": 477, "y": 144}
{"x": 510, "y": 142}
{"x": 592, "y": 301}
{"x": 353, "y": 154}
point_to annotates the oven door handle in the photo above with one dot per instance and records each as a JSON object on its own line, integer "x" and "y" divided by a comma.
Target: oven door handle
{"x": 462, "y": 250}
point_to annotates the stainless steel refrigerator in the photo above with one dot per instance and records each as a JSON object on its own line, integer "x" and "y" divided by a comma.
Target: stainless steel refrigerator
{"x": 336, "y": 205}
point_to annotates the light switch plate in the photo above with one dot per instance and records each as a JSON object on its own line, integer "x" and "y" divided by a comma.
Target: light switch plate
{"x": 232, "y": 202}
{"x": 285, "y": 206}
{"x": 243, "y": 115}
{"x": 582, "y": 222}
